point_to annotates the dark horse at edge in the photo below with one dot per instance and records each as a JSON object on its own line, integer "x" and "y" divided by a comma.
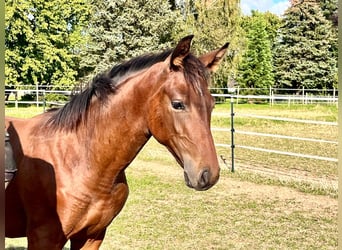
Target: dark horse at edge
{"x": 71, "y": 162}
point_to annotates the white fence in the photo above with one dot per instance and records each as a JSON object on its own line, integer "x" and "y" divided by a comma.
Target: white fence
{"x": 15, "y": 96}
{"x": 233, "y": 131}
{"x": 275, "y": 95}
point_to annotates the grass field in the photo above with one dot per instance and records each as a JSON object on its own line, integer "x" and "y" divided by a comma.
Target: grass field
{"x": 248, "y": 209}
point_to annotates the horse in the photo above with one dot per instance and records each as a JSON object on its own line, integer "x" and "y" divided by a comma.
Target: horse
{"x": 71, "y": 161}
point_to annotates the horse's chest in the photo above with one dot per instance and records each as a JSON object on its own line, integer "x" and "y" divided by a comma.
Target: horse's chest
{"x": 96, "y": 211}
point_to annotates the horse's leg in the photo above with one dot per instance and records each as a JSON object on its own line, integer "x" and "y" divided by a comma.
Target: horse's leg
{"x": 15, "y": 219}
{"x": 46, "y": 236}
{"x": 88, "y": 242}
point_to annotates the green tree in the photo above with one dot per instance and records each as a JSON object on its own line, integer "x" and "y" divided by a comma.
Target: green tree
{"x": 42, "y": 41}
{"x": 213, "y": 23}
{"x": 256, "y": 68}
{"x": 273, "y": 23}
{"x": 330, "y": 10}
{"x": 304, "y": 55}
{"x": 122, "y": 29}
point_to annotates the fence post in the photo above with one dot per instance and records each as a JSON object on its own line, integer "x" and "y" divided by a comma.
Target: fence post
{"x": 16, "y": 98}
{"x": 37, "y": 95}
{"x": 44, "y": 101}
{"x": 334, "y": 94}
{"x": 237, "y": 95}
{"x": 232, "y": 129}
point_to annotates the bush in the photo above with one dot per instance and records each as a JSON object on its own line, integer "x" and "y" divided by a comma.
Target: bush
{"x": 56, "y": 97}
{"x": 28, "y": 97}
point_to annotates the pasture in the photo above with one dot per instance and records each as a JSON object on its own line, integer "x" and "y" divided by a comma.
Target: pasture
{"x": 270, "y": 202}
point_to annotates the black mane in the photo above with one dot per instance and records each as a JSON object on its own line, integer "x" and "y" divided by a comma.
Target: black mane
{"x": 103, "y": 85}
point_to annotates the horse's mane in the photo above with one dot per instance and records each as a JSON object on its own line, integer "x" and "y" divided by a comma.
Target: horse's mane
{"x": 105, "y": 84}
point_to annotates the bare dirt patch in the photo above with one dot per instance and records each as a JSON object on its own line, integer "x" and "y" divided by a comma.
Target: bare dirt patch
{"x": 256, "y": 191}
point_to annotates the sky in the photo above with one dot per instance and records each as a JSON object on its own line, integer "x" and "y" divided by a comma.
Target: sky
{"x": 277, "y": 7}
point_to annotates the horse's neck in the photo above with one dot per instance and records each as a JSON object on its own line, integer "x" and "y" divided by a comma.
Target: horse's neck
{"x": 121, "y": 131}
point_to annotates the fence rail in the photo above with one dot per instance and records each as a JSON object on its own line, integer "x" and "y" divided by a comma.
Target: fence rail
{"x": 289, "y": 119}
{"x": 233, "y": 131}
{"x": 275, "y": 136}
{"x": 316, "y": 157}
{"x": 274, "y": 95}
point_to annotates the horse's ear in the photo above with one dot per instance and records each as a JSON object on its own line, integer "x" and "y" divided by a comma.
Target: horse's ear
{"x": 212, "y": 59}
{"x": 180, "y": 52}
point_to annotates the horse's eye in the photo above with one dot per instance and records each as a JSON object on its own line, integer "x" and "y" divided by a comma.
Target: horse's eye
{"x": 178, "y": 105}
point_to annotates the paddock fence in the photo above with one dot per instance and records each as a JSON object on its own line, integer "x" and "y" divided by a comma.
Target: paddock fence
{"x": 233, "y": 131}
{"x": 41, "y": 96}
{"x": 277, "y": 95}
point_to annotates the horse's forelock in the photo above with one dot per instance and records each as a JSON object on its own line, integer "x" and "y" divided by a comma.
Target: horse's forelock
{"x": 196, "y": 74}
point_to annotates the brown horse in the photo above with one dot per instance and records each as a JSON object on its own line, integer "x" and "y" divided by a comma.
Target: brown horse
{"x": 71, "y": 162}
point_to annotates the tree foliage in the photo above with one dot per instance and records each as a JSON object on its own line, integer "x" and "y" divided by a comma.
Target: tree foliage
{"x": 42, "y": 40}
{"x": 256, "y": 67}
{"x": 122, "y": 29}
{"x": 304, "y": 55}
{"x": 213, "y": 23}
{"x": 330, "y": 10}
{"x": 59, "y": 42}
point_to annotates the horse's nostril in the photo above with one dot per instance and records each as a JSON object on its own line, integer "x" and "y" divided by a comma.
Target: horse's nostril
{"x": 204, "y": 180}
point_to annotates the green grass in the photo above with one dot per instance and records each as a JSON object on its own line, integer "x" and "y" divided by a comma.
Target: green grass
{"x": 246, "y": 209}
{"x": 23, "y": 112}
{"x": 321, "y": 112}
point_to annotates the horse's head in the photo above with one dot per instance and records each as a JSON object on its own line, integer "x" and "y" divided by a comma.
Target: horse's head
{"x": 180, "y": 113}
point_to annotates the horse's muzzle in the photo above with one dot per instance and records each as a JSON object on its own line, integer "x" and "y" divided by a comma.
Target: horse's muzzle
{"x": 204, "y": 181}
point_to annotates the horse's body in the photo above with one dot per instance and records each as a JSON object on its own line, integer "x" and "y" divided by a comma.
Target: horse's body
{"x": 71, "y": 182}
